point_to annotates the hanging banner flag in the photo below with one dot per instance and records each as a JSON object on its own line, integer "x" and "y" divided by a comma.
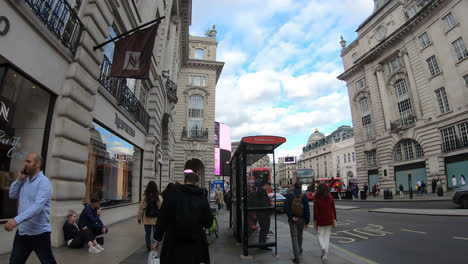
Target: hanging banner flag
{"x": 132, "y": 55}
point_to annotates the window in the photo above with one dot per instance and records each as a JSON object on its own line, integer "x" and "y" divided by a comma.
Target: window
{"x": 344, "y": 158}
{"x": 325, "y": 168}
{"x": 460, "y": 49}
{"x": 424, "y": 40}
{"x": 349, "y": 157}
{"x": 371, "y": 158}
{"x": 466, "y": 80}
{"x": 361, "y": 83}
{"x": 449, "y": 139}
{"x": 442, "y": 99}
{"x": 404, "y": 102}
{"x": 354, "y": 157}
{"x": 355, "y": 57}
{"x": 364, "y": 103}
{"x": 408, "y": 149}
{"x": 433, "y": 66}
{"x": 449, "y": 21}
{"x": 197, "y": 80}
{"x": 337, "y": 160}
{"x": 24, "y": 109}
{"x": 199, "y": 54}
{"x": 195, "y": 116}
{"x": 114, "y": 171}
{"x": 143, "y": 94}
{"x": 463, "y": 132}
{"x": 366, "y": 119}
{"x": 412, "y": 11}
{"x": 393, "y": 65}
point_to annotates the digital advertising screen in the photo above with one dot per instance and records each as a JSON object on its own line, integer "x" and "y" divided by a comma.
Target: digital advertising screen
{"x": 289, "y": 160}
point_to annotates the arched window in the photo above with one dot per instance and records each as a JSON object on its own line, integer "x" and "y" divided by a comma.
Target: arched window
{"x": 404, "y": 102}
{"x": 195, "y": 116}
{"x": 407, "y": 149}
{"x": 199, "y": 54}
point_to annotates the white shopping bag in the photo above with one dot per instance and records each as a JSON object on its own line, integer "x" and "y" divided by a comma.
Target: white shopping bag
{"x": 153, "y": 257}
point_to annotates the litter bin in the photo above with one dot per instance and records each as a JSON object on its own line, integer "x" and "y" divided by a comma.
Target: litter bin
{"x": 388, "y": 194}
{"x": 363, "y": 195}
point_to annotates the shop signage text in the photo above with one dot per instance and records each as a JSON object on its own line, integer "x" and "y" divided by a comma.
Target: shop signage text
{"x": 4, "y": 111}
{"x": 124, "y": 126}
{"x": 4, "y": 25}
{"x": 14, "y": 143}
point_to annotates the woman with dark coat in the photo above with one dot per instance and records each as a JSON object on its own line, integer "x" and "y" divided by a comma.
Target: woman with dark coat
{"x": 76, "y": 238}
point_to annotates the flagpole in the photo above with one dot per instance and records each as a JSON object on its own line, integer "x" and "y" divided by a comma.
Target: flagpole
{"x": 157, "y": 20}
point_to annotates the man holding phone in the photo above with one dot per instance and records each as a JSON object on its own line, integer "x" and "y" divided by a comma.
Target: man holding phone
{"x": 34, "y": 191}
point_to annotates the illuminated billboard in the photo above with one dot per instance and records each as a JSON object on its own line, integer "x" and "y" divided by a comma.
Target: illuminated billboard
{"x": 222, "y": 148}
{"x": 290, "y": 160}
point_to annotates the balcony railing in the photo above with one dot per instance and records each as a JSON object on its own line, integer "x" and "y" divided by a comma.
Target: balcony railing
{"x": 171, "y": 88}
{"x": 402, "y": 123}
{"x": 61, "y": 19}
{"x": 118, "y": 88}
{"x": 454, "y": 144}
{"x": 195, "y": 133}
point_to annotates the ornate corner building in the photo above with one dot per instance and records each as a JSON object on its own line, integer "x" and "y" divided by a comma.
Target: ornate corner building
{"x": 407, "y": 79}
{"x": 100, "y": 137}
{"x": 195, "y": 111}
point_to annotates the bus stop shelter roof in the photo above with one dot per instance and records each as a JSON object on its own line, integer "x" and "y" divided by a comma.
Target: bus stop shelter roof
{"x": 257, "y": 147}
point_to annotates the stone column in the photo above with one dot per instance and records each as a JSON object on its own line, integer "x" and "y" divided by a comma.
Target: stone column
{"x": 412, "y": 84}
{"x": 386, "y": 105}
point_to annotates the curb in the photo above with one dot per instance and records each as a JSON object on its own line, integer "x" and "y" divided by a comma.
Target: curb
{"x": 391, "y": 200}
{"x": 441, "y": 212}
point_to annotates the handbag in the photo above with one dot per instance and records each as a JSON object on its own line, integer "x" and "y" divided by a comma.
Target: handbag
{"x": 153, "y": 257}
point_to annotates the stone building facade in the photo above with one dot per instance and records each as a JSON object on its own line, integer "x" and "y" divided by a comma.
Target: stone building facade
{"x": 330, "y": 156}
{"x": 100, "y": 137}
{"x": 195, "y": 111}
{"x": 286, "y": 172}
{"x": 407, "y": 79}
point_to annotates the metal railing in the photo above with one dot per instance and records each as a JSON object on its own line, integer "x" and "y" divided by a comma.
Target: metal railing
{"x": 61, "y": 19}
{"x": 171, "y": 87}
{"x": 454, "y": 144}
{"x": 118, "y": 88}
{"x": 402, "y": 123}
{"x": 195, "y": 133}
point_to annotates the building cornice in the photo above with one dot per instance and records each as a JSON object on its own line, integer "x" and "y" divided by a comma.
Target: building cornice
{"x": 210, "y": 65}
{"x": 391, "y": 40}
{"x": 186, "y": 21}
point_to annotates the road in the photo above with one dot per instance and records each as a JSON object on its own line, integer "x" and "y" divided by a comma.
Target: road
{"x": 397, "y": 238}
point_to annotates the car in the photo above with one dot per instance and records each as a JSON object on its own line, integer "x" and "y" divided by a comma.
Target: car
{"x": 284, "y": 191}
{"x": 310, "y": 195}
{"x": 460, "y": 196}
{"x": 280, "y": 201}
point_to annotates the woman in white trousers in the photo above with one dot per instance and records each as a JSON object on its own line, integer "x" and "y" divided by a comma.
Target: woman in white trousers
{"x": 324, "y": 217}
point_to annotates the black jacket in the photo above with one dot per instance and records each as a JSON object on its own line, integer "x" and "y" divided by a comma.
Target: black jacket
{"x": 69, "y": 231}
{"x": 175, "y": 250}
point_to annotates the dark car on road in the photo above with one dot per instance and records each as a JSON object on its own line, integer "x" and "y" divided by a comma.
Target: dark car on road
{"x": 460, "y": 196}
{"x": 280, "y": 201}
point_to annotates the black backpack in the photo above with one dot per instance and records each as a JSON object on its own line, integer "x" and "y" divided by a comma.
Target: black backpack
{"x": 152, "y": 209}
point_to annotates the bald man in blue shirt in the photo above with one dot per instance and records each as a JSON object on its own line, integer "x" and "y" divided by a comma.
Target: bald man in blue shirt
{"x": 33, "y": 191}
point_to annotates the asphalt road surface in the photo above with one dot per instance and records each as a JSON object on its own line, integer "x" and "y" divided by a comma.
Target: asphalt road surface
{"x": 398, "y": 238}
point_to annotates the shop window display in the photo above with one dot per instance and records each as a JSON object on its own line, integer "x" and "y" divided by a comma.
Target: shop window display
{"x": 114, "y": 172}
{"x": 24, "y": 111}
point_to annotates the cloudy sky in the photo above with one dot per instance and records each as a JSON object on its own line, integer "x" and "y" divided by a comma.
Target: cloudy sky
{"x": 281, "y": 58}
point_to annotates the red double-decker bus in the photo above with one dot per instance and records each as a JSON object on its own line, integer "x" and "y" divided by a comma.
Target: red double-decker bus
{"x": 306, "y": 178}
{"x": 260, "y": 175}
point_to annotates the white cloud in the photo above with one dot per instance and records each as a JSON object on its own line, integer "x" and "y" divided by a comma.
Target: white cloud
{"x": 290, "y": 152}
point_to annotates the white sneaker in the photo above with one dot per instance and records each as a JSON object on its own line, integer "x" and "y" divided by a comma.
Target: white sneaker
{"x": 325, "y": 257}
{"x": 94, "y": 250}
{"x": 99, "y": 247}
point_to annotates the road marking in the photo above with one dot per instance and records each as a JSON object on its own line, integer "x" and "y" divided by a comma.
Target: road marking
{"x": 351, "y": 221}
{"x": 461, "y": 238}
{"x": 413, "y": 231}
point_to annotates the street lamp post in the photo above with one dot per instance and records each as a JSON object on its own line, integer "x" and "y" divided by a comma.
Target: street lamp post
{"x": 410, "y": 186}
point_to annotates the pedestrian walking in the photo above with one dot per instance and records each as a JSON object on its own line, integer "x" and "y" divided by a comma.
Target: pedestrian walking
{"x": 148, "y": 211}
{"x": 183, "y": 216}
{"x": 298, "y": 212}
{"x": 462, "y": 180}
{"x": 440, "y": 190}
{"x": 324, "y": 218}
{"x": 374, "y": 189}
{"x": 365, "y": 188}
{"x": 423, "y": 187}
{"x": 434, "y": 185}
{"x": 263, "y": 217}
{"x": 454, "y": 182}
{"x": 77, "y": 238}
{"x": 219, "y": 198}
{"x": 401, "y": 190}
{"x": 33, "y": 191}
{"x": 419, "y": 188}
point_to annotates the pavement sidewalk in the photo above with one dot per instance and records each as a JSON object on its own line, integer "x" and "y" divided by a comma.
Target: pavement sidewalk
{"x": 396, "y": 198}
{"x": 225, "y": 249}
{"x": 124, "y": 238}
{"x": 439, "y": 212}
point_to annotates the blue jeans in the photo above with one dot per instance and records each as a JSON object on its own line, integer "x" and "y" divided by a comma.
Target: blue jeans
{"x": 149, "y": 234}
{"x": 24, "y": 245}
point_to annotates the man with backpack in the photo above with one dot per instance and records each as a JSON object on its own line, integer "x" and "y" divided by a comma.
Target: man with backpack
{"x": 297, "y": 209}
{"x": 183, "y": 215}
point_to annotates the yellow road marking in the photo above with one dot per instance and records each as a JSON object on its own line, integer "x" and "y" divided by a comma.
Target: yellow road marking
{"x": 419, "y": 232}
{"x": 361, "y": 258}
{"x": 461, "y": 238}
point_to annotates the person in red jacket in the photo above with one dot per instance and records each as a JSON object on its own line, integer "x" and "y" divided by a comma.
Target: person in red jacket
{"x": 324, "y": 217}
